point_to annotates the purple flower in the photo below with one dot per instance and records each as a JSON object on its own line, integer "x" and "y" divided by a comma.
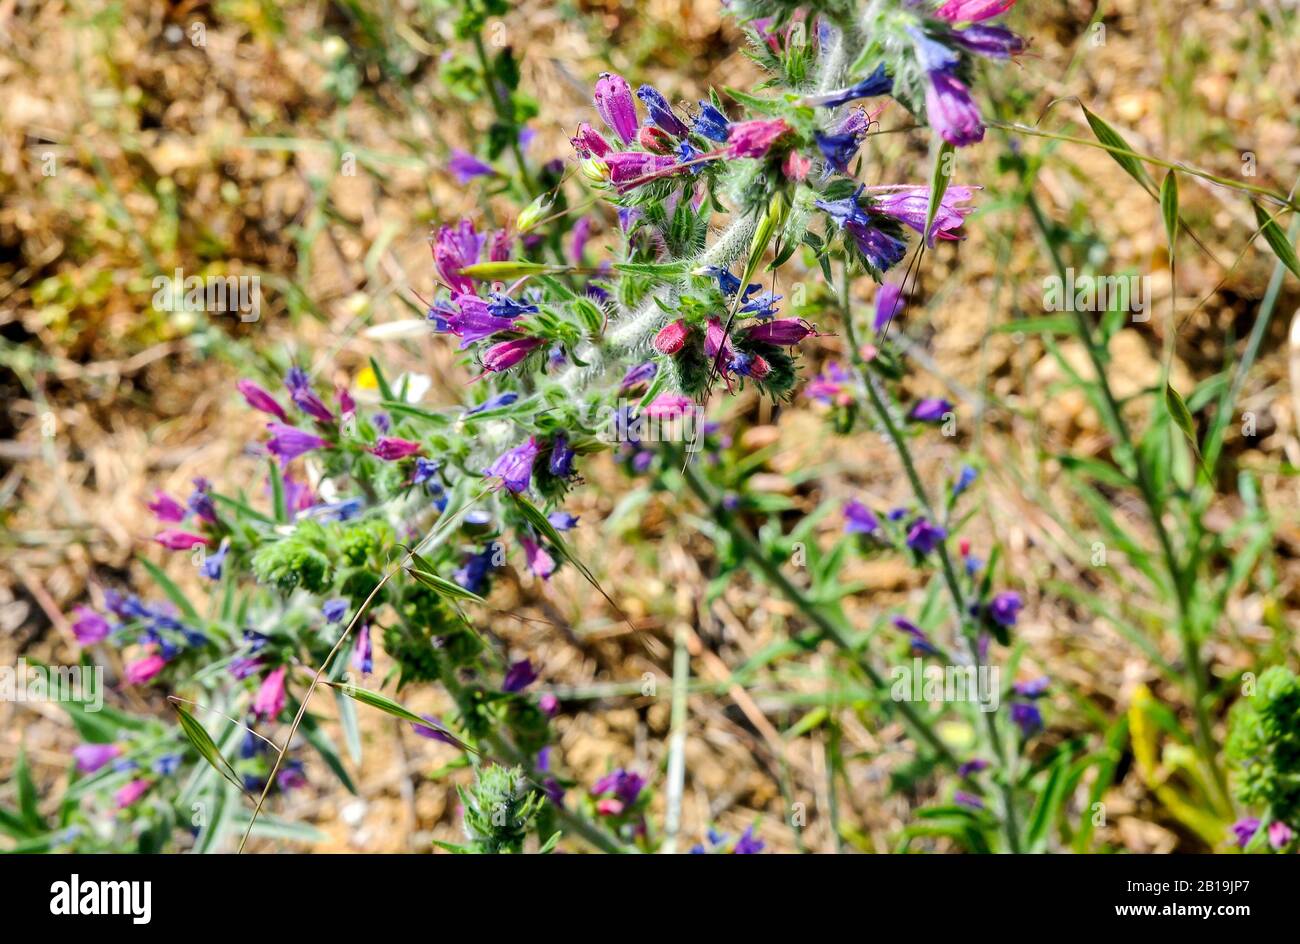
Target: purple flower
{"x": 454, "y": 248}
{"x": 711, "y": 123}
{"x": 89, "y": 627}
{"x": 213, "y": 563}
{"x": 613, "y": 100}
{"x": 830, "y": 387}
{"x": 465, "y": 167}
{"x": 289, "y": 442}
{"x": 1005, "y": 607}
{"x": 561, "y": 465}
{"x": 994, "y": 42}
{"x": 291, "y": 776}
{"x": 1034, "y": 688}
{"x": 540, "y": 562}
{"x": 951, "y": 111}
{"x": 518, "y": 676}
{"x": 909, "y": 205}
{"x": 472, "y": 575}
{"x": 260, "y": 399}
{"x": 469, "y": 318}
{"x": 637, "y": 375}
{"x": 363, "y": 658}
{"x": 924, "y": 537}
{"x": 859, "y": 519}
{"x": 878, "y": 83}
{"x": 433, "y": 731}
{"x": 1027, "y": 717}
{"x": 968, "y": 800}
{"x": 660, "y": 112}
{"x": 515, "y": 466}
{"x": 391, "y": 448}
{"x": 91, "y": 757}
{"x": 503, "y": 306}
{"x": 245, "y": 666}
{"x": 965, "y": 479}
{"x": 549, "y": 703}
{"x": 888, "y": 297}
{"x": 920, "y": 641}
{"x": 580, "y": 234}
{"x": 882, "y": 249}
{"x": 305, "y": 398}
{"x": 200, "y": 501}
{"x": 838, "y": 149}
{"x": 1245, "y": 830}
{"x": 625, "y": 785}
{"x": 748, "y": 843}
{"x": 562, "y": 520}
{"x": 631, "y": 169}
{"x": 166, "y": 508}
{"x": 269, "y": 701}
{"x": 932, "y": 55}
{"x": 783, "y": 331}
{"x": 931, "y": 410}
{"x": 334, "y": 610}
{"x": 973, "y": 766}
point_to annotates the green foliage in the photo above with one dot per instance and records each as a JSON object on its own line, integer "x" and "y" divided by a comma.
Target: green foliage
{"x": 1264, "y": 745}
{"x": 499, "y": 810}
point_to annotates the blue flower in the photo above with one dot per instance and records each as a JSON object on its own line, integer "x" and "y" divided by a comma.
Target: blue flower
{"x": 711, "y": 123}
{"x": 878, "y": 83}
{"x": 859, "y": 519}
{"x": 965, "y": 479}
{"x": 931, "y": 54}
{"x": 728, "y": 284}
{"x": 838, "y": 149}
{"x": 472, "y": 575}
{"x": 503, "y": 306}
{"x": 561, "y": 465}
{"x": 167, "y": 764}
{"x": 763, "y": 306}
{"x": 748, "y": 843}
{"x": 425, "y": 469}
{"x": 661, "y": 113}
{"x": 334, "y": 610}
{"x": 519, "y": 676}
{"x": 492, "y": 403}
{"x": 1027, "y": 718}
{"x": 562, "y": 520}
{"x": 924, "y": 537}
{"x": 213, "y": 562}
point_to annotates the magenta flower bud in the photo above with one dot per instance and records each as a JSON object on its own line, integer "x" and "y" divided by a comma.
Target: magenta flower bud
{"x": 540, "y": 562}
{"x": 391, "y": 448}
{"x": 507, "y": 354}
{"x": 909, "y": 205}
{"x": 782, "y": 331}
{"x": 614, "y": 103}
{"x": 589, "y": 143}
{"x": 549, "y": 704}
{"x": 346, "y": 403}
{"x": 180, "y": 540}
{"x": 269, "y": 701}
{"x": 754, "y": 138}
{"x": 951, "y": 112}
{"x": 515, "y": 466}
{"x": 669, "y": 405}
{"x": 499, "y": 246}
{"x": 166, "y": 508}
{"x": 715, "y": 339}
{"x": 260, "y": 399}
{"x": 89, "y": 627}
{"x": 796, "y": 166}
{"x": 289, "y": 442}
{"x": 91, "y": 757}
{"x": 465, "y": 167}
{"x": 142, "y": 670}
{"x": 671, "y": 337}
{"x": 631, "y": 169}
{"x": 131, "y": 792}
{"x": 972, "y": 11}
{"x": 1279, "y": 834}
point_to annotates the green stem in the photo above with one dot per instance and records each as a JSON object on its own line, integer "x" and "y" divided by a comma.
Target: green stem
{"x": 831, "y": 629}
{"x": 1194, "y": 668}
{"x": 867, "y": 382}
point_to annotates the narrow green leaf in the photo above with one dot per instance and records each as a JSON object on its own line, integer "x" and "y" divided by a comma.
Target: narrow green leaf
{"x": 443, "y": 585}
{"x": 1169, "y": 207}
{"x": 1277, "y": 240}
{"x": 381, "y": 381}
{"x": 169, "y": 587}
{"x": 387, "y": 705}
{"x": 1182, "y": 416}
{"x": 940, "y": 177}
{"x": 203, "y": 743}
{"x": 1124, "y": 155}
{"x": 277, "y": 490}
{"x": 27, "y": 794}
{"x": 351, "y": 729}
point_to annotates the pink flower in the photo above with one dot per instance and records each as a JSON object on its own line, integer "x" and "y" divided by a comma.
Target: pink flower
{"x": 180, "y": 540}
{"x": 260, "y": 399}
{"x": 796, "y": 166}
{"x": 613, "y": 100}
{"x": 631, "y": 169}
{"x": 549, "y": 704}
{"x": 91, "y": 757}
{"x": 539, "y": 561}
{"x": 289, "y": 442}
{"x": 346, "y": 403}
{"x": 1279, "y": 834}
{"x": 391, "y": 448}
{"x": 972, "y": 11}
{"x": 588, "y": 142}
{"x": 142, "y": 670}
{"x": 270, "y": 697}
{"x": 507, "y": 354}
{"x": 166, "y": 508}
{"x": 754, "y": 138}
{"x": 668, "y": 405}
{"x": 609, "y": 806}
{"x": 909, "y": 205}
{"x": 454, "y": 248}
{"x": 671, "y": 337}
{"x": 131, "y": 792}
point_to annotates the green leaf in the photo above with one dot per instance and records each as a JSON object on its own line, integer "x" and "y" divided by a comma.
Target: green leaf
{"x": 203, "y": 743}
{"x": 277, "y": 490}
{"x": 317, "y": 739}
{"x": 939, "y": 180}
{"x": 381, "y": 381}
{"x": 387, "y": 705}
{"x": 1169, "y": 207}
{"x": 27, "y": 794}
{"x": 169, "y": 587}
{"x": 1122, "y": 153}
{"x": 1182, "y": 416}
{"x": 351, "y": 730}
{"x": 1277, "y": 240}
{"x": 443, "y": 585}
